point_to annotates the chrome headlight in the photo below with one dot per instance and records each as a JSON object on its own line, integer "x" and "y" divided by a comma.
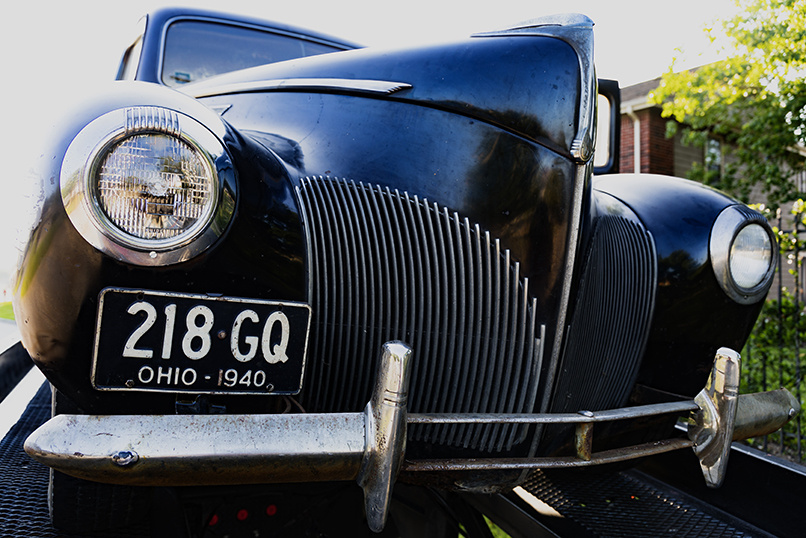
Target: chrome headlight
{"x": 143, "y": 185}
{"x": 742, "y": 249}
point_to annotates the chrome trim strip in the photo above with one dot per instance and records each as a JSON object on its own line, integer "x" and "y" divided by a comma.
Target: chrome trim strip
{"x": 378, "y": 87}
{"x": 582, "y": 417}
{"x": 583, "y": 174}
{"x": 528, "y": 464}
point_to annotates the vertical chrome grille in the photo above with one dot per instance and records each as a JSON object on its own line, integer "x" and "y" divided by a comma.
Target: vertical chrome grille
{"x": 386, "y": 265}
{"x": 611, "y": 318}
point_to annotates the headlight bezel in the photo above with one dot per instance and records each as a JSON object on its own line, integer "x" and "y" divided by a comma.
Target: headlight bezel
{"x": 94, "y": 143}
{"x": 724, "y": 232}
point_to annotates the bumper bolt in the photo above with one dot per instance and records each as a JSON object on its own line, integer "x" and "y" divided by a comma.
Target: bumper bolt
{"x": 124, "y": 458}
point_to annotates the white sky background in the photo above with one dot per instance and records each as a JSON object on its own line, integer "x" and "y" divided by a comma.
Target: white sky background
{"x": 54, "y": 50}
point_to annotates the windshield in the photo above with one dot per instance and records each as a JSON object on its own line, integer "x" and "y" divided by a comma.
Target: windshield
{"x": 195, "y": 50}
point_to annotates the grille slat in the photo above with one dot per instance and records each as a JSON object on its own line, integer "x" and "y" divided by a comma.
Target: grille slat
{"x": 516, "y": 358}
{"x": 459, "y": 300}
{"x": 412, "y": 290}
{"x": 494, "y": 315}
{"x": 342, "y": 266}
{"x": 371, "y": 286}
{"x": 468, "y": 328}
{"x": 442, "y": 315}
{"x": 396, "y": 289}
{"x": 501, "y": 350}
{"x": 451, "y": 301}
{"x": 476, "y": 353}
{"x": 352, "y": 292}
{"x": 534, "y": 363}
{"x": 366, "y": 311}
{"x": 427, "y": 393}
{"x": 420, "y": 313}
{"x": 319, "y": 294}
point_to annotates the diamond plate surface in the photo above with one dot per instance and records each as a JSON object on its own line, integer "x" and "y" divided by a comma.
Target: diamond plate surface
{"x": 630, "y": 504}
{"x": 24, "y": 482}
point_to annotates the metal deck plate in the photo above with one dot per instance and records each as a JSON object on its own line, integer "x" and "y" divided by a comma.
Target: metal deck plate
{"x": 24, "y": 482}
{"x": 632, "y": 504}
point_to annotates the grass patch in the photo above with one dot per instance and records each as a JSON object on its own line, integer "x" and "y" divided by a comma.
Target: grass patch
{"x": 5, "y": 311}
{"x": 495, "y": 529}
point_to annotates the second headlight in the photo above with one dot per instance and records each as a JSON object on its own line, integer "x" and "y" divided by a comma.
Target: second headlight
{"x": 742, "y": 249}
{"x": 750, "y": 256}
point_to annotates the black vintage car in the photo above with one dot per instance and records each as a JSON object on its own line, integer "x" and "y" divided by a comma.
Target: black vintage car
{"x": 328, "y": 264}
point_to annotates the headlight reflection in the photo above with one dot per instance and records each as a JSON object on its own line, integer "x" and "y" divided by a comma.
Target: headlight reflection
{"x": 154, "y": 186}
{"x": 750, "y": 256}
{"x": 742, "y": 254}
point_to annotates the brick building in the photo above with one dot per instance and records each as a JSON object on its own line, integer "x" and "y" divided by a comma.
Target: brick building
{"x": 643, "y": 128}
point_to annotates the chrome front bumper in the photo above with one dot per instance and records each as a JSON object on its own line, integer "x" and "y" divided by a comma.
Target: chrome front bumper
{"x": 369, "y": 447}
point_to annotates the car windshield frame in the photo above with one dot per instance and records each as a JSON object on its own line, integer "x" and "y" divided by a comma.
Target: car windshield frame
{"x": 130, "y": 60}
{"x": 209, "y": 55}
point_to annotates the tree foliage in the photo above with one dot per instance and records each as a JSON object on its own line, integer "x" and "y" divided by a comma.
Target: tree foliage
{"x": 754, "y": 101}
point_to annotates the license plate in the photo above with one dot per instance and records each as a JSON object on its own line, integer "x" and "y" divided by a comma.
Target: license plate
{"x": 174, "y": 342}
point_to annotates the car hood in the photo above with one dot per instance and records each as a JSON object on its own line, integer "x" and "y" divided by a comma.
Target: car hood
{"x": 526, "y": 84}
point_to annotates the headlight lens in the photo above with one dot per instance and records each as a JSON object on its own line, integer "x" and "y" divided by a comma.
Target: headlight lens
{"x": 148, "y": 185}
{"x": 750, "y": 256}
{"x": 155, "y": 187}
{"x": 742, "y": 254}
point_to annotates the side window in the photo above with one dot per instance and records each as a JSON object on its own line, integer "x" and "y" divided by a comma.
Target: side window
{"x": 603, "y": 119}
{"x": 608, "y": 129}
{"x": 195, "y": 50}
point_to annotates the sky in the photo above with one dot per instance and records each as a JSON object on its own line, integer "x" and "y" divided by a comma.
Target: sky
{"x": 53, "y": 51}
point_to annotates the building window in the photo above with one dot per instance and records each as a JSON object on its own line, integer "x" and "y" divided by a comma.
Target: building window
{"x": 713, "y": 158}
